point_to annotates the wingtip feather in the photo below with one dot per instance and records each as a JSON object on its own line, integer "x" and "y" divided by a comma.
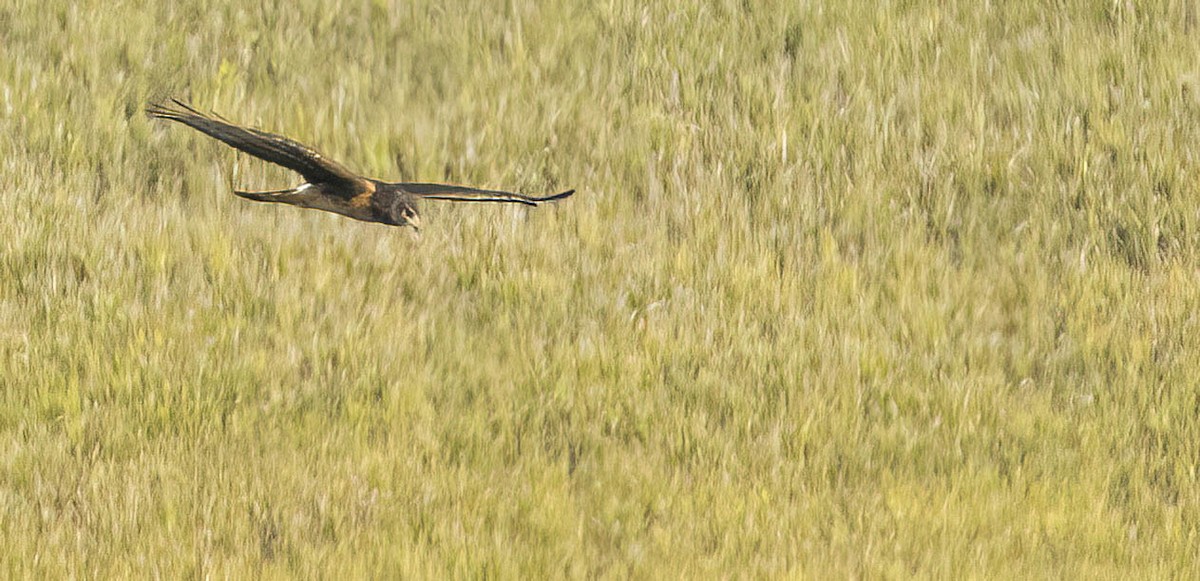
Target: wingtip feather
{"x": 180, "y": 111}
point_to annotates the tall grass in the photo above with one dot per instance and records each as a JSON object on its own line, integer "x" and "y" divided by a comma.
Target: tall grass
{"x": 907, "y": 289}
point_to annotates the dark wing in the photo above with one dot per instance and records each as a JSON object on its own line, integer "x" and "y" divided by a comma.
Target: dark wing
{"x": 267, "y": 146}
{"x": 464, "y": 194}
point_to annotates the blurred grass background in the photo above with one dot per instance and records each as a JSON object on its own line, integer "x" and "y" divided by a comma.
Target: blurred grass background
{"x": 889, "y": 291}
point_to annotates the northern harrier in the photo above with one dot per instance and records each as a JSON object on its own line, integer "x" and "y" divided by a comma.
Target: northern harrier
{"x": 327, "y": 184}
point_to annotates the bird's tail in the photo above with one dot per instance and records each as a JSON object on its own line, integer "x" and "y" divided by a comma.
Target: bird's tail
{"x": 267, "y": 196}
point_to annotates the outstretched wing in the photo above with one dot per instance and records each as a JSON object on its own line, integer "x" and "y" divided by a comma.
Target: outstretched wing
{"x": 464, "y": 194}
{"x": 276, "y": 149}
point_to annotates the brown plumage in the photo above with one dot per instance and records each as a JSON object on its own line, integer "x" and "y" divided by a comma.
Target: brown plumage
{"x": 328, "y": 185}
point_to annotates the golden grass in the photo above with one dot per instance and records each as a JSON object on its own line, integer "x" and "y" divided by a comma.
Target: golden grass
{"x": 903, "y": 291}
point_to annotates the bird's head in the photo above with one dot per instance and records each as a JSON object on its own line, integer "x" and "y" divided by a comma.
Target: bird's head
{"x": 413, "y": 219}
{"x": 404, "y": 213}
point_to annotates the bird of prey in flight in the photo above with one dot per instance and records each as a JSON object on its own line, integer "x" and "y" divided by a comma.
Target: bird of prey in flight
{"x": 328, "y": 185}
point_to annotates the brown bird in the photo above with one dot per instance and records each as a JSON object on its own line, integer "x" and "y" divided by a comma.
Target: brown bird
{"x": 328, "y": 185}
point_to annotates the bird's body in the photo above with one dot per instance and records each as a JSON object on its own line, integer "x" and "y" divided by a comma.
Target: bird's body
{"x": 374, "y": 201}
{"x": 328, "y": 185}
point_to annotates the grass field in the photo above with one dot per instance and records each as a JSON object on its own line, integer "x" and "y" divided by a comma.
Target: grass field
{"x": 910, "y": 290}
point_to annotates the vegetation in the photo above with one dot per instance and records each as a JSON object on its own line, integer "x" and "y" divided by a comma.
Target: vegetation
{"x": 910, "y": 290}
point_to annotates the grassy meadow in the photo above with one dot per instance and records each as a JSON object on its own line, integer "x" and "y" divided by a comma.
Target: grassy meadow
{"x": 848, "y": 290}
